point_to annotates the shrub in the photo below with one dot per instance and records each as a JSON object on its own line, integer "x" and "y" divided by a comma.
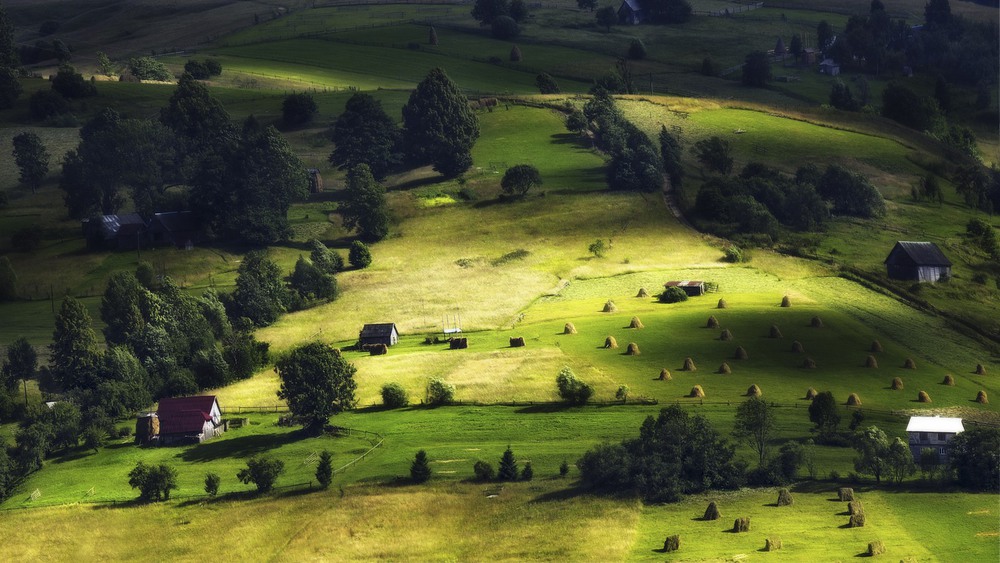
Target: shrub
{"x": 786, "y": 302}
{"x": 569, "y": 329}
{"x": 672, "y": 543}
{"x": 610, "y": 343}
{"x": 394, "y": 396}
{"x": 726, "y": 335}
{"x": 741, "y": 524}
{"x": 632, "y": 349}
{"x": 741, "y": 354}
{"x": 697, "y": 392}
{"x": 635, "y": 323}
{"x": 784, "y": 498}
{"x": 359, "y": 255}
{"x": 483, "y": 471}
{"x": 636, "y": 49}
{"x": 876, "y": 548}
{"x": 519, "y": 179}
{"x": 564, "y": 468}
{"x": 597, "y": 248}
{"x": 772, "y": 544}
{"x": 420, "y": 469}
{"x": 262, "y": 471}
{"x": 440, "y": 392}
{"x": 712, "y": 322}
{"x": 775, "y": 332}
{"x": 154, "y": 482}
{"x": 324, "y": 469}
{"x": 876, "y": 346}
{"x": 871, "y": 362}
{"x": 897, "y": 384}
{"x": 212, "y": 481}
{"x": 527, "y": 474}
{"x": 949, "y": 380}
{"x": 797, "y": 347}
{"x": 673, "y": 295}
{"x": 546, "y": 84}
{"x": 724, "y": 369}
{"x": 712, "y": 512}
{"x": 504, "y": 27}
{"x": 689, "y": 365}
{"x": 923, "y": 397}
{"x": 722, "y": 304}
{"x": 853, "y": 400}
{"x": 909, "y": 364}
{"x": 665, "y": 375}
{"x": 571, "y": 389}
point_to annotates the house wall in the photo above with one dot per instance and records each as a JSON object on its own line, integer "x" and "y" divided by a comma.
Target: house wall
{"x": 937, "y": 440}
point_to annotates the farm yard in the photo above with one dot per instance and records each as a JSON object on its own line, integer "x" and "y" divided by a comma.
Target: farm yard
{"x": 532, "y": 292}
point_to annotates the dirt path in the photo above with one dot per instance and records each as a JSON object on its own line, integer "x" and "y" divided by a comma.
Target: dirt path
{"x": 670, "y": 198}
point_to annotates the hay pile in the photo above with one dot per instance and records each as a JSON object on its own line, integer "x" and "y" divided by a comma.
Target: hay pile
{"x": 689, "y": 365}
{"x": 811, "y": 394}
{"x": 724, "y": 369}
{"x": 712, "y": 322}
{"x": 871, "y": 362}
{"x": 855, "y": 507}
{"x": 797, "y": 347}
{"x": 609, "y": 307}
{"x": 726, "y": 336}
{"x": 981, "y": 398}
{"x": 854, "y": 400}
{"x": 897, "y": 384}
{"x": 754, "y": 391}
{"x": 775, "y": 332}
{"x": 632, "y": 350}
{"x": 672, "y": 543}
{"x": 845, "y": 494}
{"x": 772, "y": 544}
{"x": 635, "y": 323}
{"x": 809, "y": 363}
{"x": 569, "y": 329}
{"x": 948, "y": 380}
{"x": 722, "y": 304}
{"x": 909, "y": 364}
{"x": 610, "y": 343}
{"x": 697, "y": 391}
{"x": 980, "y": 369}
{"x": 875, "y": 548}
{"x": 786, "y": 302}
{"x": 741, "y": 354}
{"x": 712, "y": 512}
{"x": 458, "y": 343}
{"x": 378, "y": 350}
{"x": 517, "y": 342}
{"x": 642, "y": 292}
{"x": 741, "y": 524}
{"x": 876, "y": 346}
{"x": 816, "y": 322}
{"x": 665, "y": 375}
{"x": 857, "y": 521}
{"x": 923, "y": 397}
{"x": 784, "y": 498}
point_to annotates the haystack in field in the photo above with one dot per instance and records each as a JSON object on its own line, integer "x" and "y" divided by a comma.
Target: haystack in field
{"x": 797, "y": 347}
{"x": 665, "y": 375}
{"x": 875, "y": 548}
{"x": 786, "y": 302}
{"x": 909, "y": 364}
{"x": 458, "y": 343}
{"x": 923, "y": 397}
{"x": 855, "y": 507}
{"x": 857, "y": 521}
{"x": 722, "y": 304}
{"x": 569, "y": 329}
{"x": 809, "y": 363}
{"x": 724, "y": 369}
{"x": 610, "y": 307}
{"x": 697, "y": 391}
{"x": 754, "y": 391}
{"x": 853, "y": 400}
{"x": 897, "y": 384}
{"x": 772, "y": 544}
{"x": 741, "y": 353}
{"x": 642, "y": 292}
{"x": 876, "y": 347}
{"x": 871, "y": 362}
{"x": 980, "y": 369}
{"x": 774, "y": 332}
{"x": 816, "y": 322}
{"x": 784, "y": 498}
{"x": 689, "y": 365}
{"x": 635, "y": 323}
{"x": 378, "y": 350}
{"x": 672, "y": 543}
{"x": 712, "y": 322}
{"x": 726, "y": 335}
{"x": 517, "y": 341}
{"x": 712, "y": 512}
{"x": 949, "y": 380}
{"x": 811, "y": 394}
{"x": 610, "y": 343}
{"x": 981, "y": 398}
{"x": 741, "y": 524}
{"x": 845, "y": 494}
{"x": 632, "y": 349}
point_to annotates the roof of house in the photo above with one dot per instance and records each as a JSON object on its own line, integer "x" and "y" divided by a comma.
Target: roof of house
{"x": 684, "y": 283}
{"x": 183, "y": 415}
{"x": 377, "y": 330}
{"x": 176, "y": 221}
{"x": 921, "y": 253}
{"x": 126, "y": 224}
{"x": 935, "y": 424}
{"x": 634, "y": 5}
{"x": 828, "y": 62}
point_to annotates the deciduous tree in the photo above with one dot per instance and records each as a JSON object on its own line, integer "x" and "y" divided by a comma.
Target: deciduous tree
{"x": 299, "y": 109}
{"x": 439, "y": 127}
{"x": 365, "y": 207}
{"x": 755, "y": 425}
{"x": 365, "y": 134}
{"x": 317, "y": 383}
{"x": 520, "y": 178}
{"x": 32, "y": 159}
{"x": 823, "y": 413}
{"x": 262, "y": 471}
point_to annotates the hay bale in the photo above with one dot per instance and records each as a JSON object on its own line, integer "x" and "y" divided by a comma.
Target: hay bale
{"x": 855, "y": 507}
{"x": 809, "y": 363}
{"x": 609, "y": 307}
{"x": 871, "y": 362}
{"x": 754, "y": 391}
{"x": 689, "y": 365}
{"x": 569, "y": 329}
{"x": 632, "y": 350}
{"x": 724, "y": 369}
{"x": 876, "y": 347}
{"x": 772, "y": 544}
{"x": 712, "y": 512}
{"x": 856, "y": 521}
{"x": 811, "y": 394}
{"x": 897, "y": 384}
{"x": 697, "y": 392}
{"x": 672, "y": 543}
{"x": 923, "y": 397}
{"x": 741, "y": 524}
{"x": 458, "y": 343}
{"x": 517, "y": 342}
{"x": 775, "y": 332}
{"x": 845, "y": 494}
{"x": 816, "y": 322}
{"x": 635, "y": 323}
{"x": 948, "y": 380}
{"x": 854, "y": 400}
{"x": 741, "y": 354}
{"x": 784, "y": 498}
{"x": 909, "y": 364}
{"x": 712, "y": 322}
{"x": 378, "y": 350}
{"x": 610, "y": 343}
{"x": 797, "y": 347}
{"x": 665, "y": 375}
{"x": 875, "y": 548}
{"x": 786, "y": 302}
{"x": 981, "y": 398}
{"x": 722, "y": 304}
{"x": 726, "y": 335}
{"x": 642, "y": 292}
{"x": 980, "y": 369}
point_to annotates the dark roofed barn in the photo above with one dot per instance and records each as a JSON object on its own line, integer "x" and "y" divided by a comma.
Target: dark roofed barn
{"x": 917, "y": 261}
{"x": 121, "y": 232}
{"x": 187, "y": 420}
{"x": 379, "y": 333}
{"x": 631, "y": 12}
{"x": 692, "y": 288}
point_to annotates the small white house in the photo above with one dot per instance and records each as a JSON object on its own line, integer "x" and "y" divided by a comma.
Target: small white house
{"x": 932, "y": 432}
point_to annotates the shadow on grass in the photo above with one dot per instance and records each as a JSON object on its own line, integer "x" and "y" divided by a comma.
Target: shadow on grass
{"x": 73, "y": 456}
{"x": 546, "y": 408}
{"x": 560, "y": 495}
{"x": 244, "y": 446}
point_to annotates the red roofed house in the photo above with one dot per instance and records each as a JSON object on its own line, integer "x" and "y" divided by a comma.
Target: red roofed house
{"x": 185, "y": 420}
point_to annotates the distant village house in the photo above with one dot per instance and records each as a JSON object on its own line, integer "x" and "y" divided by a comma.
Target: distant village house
{"x": 182, "y": 420}
{"x": 932, "y": 432}
{"x": 692, "y": 288}
{"x": 631, "y": 12}
{"x": 378, "y": 333}
{"x": 917, "y": 261}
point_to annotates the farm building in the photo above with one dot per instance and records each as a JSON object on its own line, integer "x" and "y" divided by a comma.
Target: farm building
{"x": 186, "y": 420}
{"x": 378, "y": 333}
{"x": 631, "y": 12}
{"x": 117, "y": 232}
{"x": 920, "y": 261}
{"x": 932, "y": 432}
{"x": 808, "y": 56}
{"x": 315, "y": 181}
{"x": 692, "y": 288}
{"x": 179, "y": 228}
{"x": 829, "y": 68}
{"x": 147, "y": 429}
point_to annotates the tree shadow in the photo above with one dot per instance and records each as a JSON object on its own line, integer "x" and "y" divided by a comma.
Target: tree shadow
{"x": 414, "y": 183}
{"x": 241, "y": 447}
{"x": 560, "y": 495}
{"x": 66, "y": 458}
{"x": 546, "y": 408}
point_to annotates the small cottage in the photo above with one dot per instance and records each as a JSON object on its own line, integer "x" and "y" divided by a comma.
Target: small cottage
{"x": 631, "y": 12}
{"x": 692, "y": 288}
{"x": 917, "y": 261}
{"x": 932, "y": 432}
{"x": 189, "y": 420}
{"x": 126, "y": 231}
{"x": 829, "y": 67}
{"x": 808, "y": 56}
{"x": 378, "y": 333}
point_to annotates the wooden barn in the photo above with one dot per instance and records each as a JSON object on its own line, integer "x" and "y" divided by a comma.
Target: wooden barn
{"x": 189, "y": 420}
{"x": 631, "y": 12}
{"x": 932, "y": 432}
{"x": 378, "y": 333}
{"x": 917, "y": 261}
{"x": 126, "y": 231}
{"x": 692, "y": 288}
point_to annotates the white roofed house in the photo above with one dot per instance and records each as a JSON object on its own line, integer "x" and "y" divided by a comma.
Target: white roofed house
{"x": 932, "y": 432}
